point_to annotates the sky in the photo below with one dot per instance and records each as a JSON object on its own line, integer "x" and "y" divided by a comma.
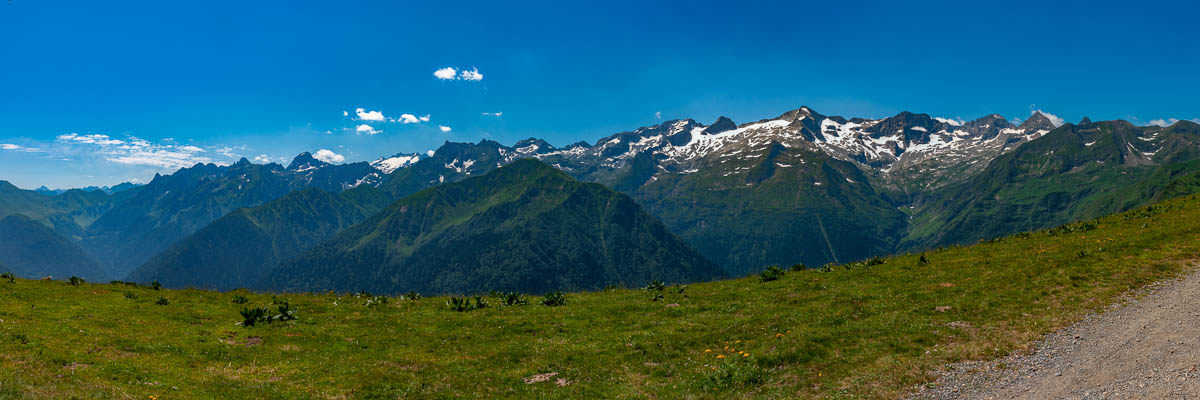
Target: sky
{"x": 98, "y": 93}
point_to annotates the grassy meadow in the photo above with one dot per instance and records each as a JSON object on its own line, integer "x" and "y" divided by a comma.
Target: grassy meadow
{"x": 864, "y": 330}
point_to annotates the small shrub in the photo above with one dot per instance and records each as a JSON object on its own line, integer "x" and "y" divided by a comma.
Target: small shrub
{"x": 1081, "y": 254}
{"x": 874, "y": 261}
{"x": 828, "y": 267}
{"x": 772, "y": 273}
{"x": 162, "y": 301}
{"x": 923, "y": 260}
{"x": 656, "y": 285}
{"x": 376, "y": 301}
{"x": 464, "y": 304}
{"x": 511, "y": 299}
{"x": 657, "y": 297}
{"x": 797, "y": 267}
{"x": 239, "y": 299}
{"x": 554, "y": 299}
{"x": 10, "y": 277}
{"x": 411, "y": 296}
{"x": 76, "y": 281}
{"x": 680, "y": 289}
{"x": 286, "y": 313}
{"x": 251, "y": 316}
{"x": 156, "y": 285}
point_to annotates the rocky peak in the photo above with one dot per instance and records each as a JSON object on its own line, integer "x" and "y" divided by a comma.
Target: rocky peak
{"x": 306, "y": 161}
{"x": 722, "y": 124}
{"x": 1037, "y": 121}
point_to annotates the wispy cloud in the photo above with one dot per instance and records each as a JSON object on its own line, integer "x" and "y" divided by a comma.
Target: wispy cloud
{"x": 329, "y": 156}
{"x": 367, "y": 130}
{"x": 444, "y": 128}
{"x": 658, "y": 114}
{"x": 136, "y": 151}
{"x": 1170, "y": 121}
{"x": 495, "y": 114}
{"x": 17, "y": 147}
{"x": 365, "y": 115}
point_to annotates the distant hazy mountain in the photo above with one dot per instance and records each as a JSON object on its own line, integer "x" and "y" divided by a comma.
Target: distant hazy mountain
{"x": 237, "y": 249}
{"x": 32, "y": 250}
{"x": 526, "y": 226}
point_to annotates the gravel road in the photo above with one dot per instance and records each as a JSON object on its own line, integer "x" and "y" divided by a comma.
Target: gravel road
{"x": 1147, "y": 349}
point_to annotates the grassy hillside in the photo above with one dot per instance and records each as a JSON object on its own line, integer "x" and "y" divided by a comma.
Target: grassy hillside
{"x": 870, "y": 331}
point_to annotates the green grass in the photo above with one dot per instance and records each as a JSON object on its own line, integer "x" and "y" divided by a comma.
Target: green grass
{"x": 863, "y": 331}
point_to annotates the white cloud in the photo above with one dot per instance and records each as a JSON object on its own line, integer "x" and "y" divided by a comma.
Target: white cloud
{"x": 495, "y": 114}
{"x": 424, "y": 118}
{"x": 367, "y": 129}
{"x": 950, "y": 121}
{"x": 345, "y": 113}
{"x": 191, "y": 149}
{"x": 409, "y": 119}
{"x": 365, "y": 115}
{"x": 444, "y": 128}
{"x": 451, "y": 73}
{"x": 472, "y": 75}
{"x": 445, "y": 73}
{"x": 329, "y": 156}
{"x": 16, "y": 147}
{"x": 658, "y": 114}
{"x": 102, "y": 140}
{"x": 1054, "y": 119}
{"x": 430, "y": 152}
{"x": 262, "y": 159}
{"x": 1170, "y": 121}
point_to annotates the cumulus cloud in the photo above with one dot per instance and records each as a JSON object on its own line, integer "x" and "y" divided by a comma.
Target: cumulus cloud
{"x": 451, "y": 73}
{"x": 262, "y": 159}
{"x": 658, "y": 114}
{"x": 1054, "y": 119}
{"x": 367, "y": 129}
{"x": 495, "y": 114}
{"x": 408, "y": 119}
{"x": 444, "y": 128}
{"x": 328, "y": 156}
{"x": 447, "y": 73}
{"x": 345, "y": 113}
{"x": 365, "y": 115}
{"x": 424, "y": 118}
{"x": 472, "y": 75}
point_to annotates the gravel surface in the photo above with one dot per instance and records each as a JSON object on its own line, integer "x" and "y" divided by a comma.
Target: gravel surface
{"x": 1146, "y": 349}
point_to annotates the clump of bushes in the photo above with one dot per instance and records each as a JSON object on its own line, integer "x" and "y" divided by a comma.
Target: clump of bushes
{"x": 656, "y": 285}
{"x": 252, "y": 316}
{"x": 76, "y": 281}
{"x": 411, "y": 296}
{"x": 772, "y": 273}
{"x": 923, "y": 260}
{"x": 156, "y": 285}
{"x": 797, "y": 267}
{"x": 511, "y": 298}
{"x": 554, "y": 299}
{"x": 10, "y": 277}
{"x": 465, "y": 304}
{"x": 680, "y": 289}
{"x": 239, "y": 299}
{"x": 376, "y": 301}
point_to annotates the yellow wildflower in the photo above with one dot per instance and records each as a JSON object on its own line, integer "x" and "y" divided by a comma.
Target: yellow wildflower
{"x": 721, "y": 356}
{"x": 746, "y": 355}
{"x": 708, "y": 350}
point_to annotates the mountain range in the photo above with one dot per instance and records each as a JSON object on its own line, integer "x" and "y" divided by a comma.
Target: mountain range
{"x": 798, "y": 188}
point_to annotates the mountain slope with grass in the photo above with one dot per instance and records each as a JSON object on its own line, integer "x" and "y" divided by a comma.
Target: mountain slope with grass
{"x": 32, "y": 250}
{"x": 239, "y": 248}
{"x": 525, "y": 226}
{"x": 873, "y": 330}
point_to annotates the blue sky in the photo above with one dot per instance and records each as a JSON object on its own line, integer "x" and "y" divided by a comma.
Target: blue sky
{"x": 96, "y": 93}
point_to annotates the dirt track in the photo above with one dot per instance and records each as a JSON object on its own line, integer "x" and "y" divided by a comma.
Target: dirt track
{"x": 1148, "y": 349}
